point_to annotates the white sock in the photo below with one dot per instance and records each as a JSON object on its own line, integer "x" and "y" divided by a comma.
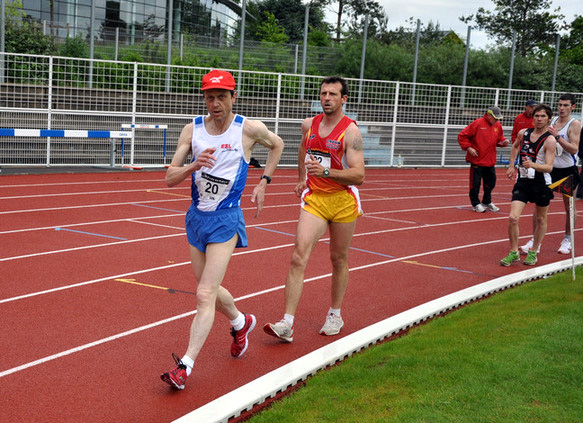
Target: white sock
{"x": 239, "y": 322}
{"x": 289, "y": 318}
{"x": 334, "y": 311}
{"x": 189, "y": 363}
{"x": 567, "y": 237}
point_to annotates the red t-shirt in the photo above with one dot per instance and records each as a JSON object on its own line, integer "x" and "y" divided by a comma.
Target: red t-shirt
{"x": 522, "y": 121}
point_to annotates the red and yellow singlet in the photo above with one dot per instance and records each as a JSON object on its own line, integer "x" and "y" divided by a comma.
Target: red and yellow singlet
{"x": 325, "y": 197}
{"x": 329, "y": 151}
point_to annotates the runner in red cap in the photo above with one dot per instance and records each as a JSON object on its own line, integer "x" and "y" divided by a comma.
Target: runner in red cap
{"x": 221, "y": 144}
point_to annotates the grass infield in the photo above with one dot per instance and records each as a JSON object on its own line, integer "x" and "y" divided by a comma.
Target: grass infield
{"x": 514, "y": 357}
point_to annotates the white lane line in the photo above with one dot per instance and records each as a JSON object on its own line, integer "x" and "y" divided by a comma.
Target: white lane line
{"x": 125, "y": 275}
{"x": 162, "y": 190}
{"x": 125, "y": 219}
{"x": 89, "y": 206}
{"x": 87, "y": 247}
{"x": 183, "y": 315}
{"x": 109, "y": 244}
{"x": 133, "y": 181}
{"x": 159, "y": 225}
{"x": 118, "y": 191}
{"x": 92, "y": 344}
{"x": 188, "y": 199}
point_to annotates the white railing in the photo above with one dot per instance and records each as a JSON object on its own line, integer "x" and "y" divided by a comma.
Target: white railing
{"x": 403, "y": 124}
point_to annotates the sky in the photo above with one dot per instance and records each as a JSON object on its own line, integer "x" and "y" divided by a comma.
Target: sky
{"x": 448, "y": 12}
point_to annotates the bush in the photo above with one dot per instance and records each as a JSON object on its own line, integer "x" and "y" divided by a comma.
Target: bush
{"x": 74, "y": 47}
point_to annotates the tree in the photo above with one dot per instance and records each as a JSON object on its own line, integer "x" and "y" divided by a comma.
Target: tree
{"x": 430, "y": 34}
{"x": 289, "y": 14}
{"x": 572, "y": 45}
{"x": 355, "y": 11}
{"x": 269, "y": 30}
{"x": 535, "y": 25}
{"x": 393, "y": 63}
{"x": 24, "y": 35}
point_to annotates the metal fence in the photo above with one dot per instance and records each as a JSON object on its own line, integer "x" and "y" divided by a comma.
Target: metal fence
{"x": 403, "y": 124}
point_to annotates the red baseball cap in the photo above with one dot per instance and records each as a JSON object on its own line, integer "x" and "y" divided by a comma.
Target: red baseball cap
{"x": 218, "y": 79}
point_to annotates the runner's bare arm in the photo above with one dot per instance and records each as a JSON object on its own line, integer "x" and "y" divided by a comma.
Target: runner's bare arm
{"x": 177, "y": 171}
{"x": 514, "y": 153}
{"x": 574, "y": 134}
{"x": 550, "y": 149}
{"x": 301, "y": 185}
{"x": 354, "y": 174}
{"x": 255, "y": 132}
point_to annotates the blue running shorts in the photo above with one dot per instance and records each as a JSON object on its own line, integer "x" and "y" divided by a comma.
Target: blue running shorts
{"x": 203, "y": 228}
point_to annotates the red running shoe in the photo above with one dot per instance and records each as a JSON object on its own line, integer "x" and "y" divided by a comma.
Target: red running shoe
{"x": 177, "y": 376}
{"x": 240, "y": 342}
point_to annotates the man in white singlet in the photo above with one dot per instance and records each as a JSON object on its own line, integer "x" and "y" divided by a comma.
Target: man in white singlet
{"x": 567, "y": 132}
{"x": 221, "y": 144}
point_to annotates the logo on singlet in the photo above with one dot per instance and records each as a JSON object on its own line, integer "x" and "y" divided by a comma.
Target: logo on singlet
{"x": 332, "y": 144}
{"x": 228, "y": 147}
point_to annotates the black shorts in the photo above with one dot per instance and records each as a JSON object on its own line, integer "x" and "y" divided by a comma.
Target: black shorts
{"x": 532, "y": 191}
{"x": 559, "y": 173}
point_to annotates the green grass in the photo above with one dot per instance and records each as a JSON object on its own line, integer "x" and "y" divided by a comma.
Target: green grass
{"x": 514, "y": 357}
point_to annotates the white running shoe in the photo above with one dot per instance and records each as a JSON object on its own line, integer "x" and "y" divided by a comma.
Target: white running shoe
{"x": 526, "y": 247}
{"x": 479, "y": 208}
{"x": 565, "y": 247}
{"x": 281, "y": 330}
{"x": 332, "y": 325}
{"x": 492, "y": 207}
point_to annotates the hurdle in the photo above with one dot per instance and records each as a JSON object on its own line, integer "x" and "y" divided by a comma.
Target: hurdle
{"x": 133, "y": 127}
{"x": 66, "y": 133}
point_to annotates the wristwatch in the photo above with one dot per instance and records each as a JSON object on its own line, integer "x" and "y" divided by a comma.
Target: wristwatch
{"x": 326, "y": 172}
{"x": 557, "y": 137}
{"x": 267, "y": 178}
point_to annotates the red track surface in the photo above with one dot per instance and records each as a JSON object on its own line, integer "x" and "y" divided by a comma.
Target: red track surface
{"x": 78, "y": 344}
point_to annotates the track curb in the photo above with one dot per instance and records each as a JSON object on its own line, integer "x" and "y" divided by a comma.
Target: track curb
{"x": 254, "y": 393}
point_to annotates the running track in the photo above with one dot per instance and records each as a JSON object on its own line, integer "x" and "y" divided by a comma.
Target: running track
{"x": 96, "y": 289}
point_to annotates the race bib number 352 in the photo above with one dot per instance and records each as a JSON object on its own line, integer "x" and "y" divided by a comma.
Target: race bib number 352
{"x": 323, "y": 158}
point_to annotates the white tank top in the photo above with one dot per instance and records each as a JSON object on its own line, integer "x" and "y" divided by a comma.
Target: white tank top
{"x": 565, "y": 159}
{"x": 221, "y": 186}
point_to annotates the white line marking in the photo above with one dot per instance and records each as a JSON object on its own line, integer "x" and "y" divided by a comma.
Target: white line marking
{"x": 180, "y": 316}
{"x": 178, "y": 228}
{"x": 125, "y": 275}
{"x": 133, "y": 181}
{"x": 87, "y": 247}
{"x": 189, "y": 199}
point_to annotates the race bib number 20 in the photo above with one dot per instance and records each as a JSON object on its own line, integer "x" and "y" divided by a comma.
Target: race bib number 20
{"x": 212, "y": 187}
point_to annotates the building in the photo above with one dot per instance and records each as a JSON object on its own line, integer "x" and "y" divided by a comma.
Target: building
{"x": 137, "y": 20}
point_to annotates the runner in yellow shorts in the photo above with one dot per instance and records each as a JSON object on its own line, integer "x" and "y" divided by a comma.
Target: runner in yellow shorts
{"x": 330, "y": 164}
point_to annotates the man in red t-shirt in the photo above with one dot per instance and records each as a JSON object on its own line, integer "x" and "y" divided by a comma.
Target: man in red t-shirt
{"x": 524, "y": 120}
{"x": 480, "y": 139}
